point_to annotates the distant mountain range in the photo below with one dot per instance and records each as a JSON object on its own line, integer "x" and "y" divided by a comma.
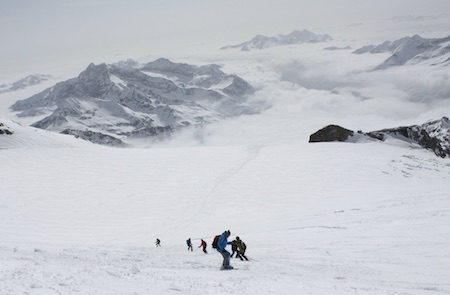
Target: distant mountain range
{"x": 109, "y": 103}
{"x": 296, "y": 37}
{"x": 433, "y": 135}
{"x": 24, "y": 83}
{"x": 411, "y": 50}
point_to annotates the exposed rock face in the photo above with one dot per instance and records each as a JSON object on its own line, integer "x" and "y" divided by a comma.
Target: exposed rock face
{"x": 96, "y": 137}
{"x": 331, "y": 133}
{"x": 413, "y": 49}
{"x": 433, "y": 135}
{"x": 295, "y": 37}
{"x": 109, "y": 103}
{"x": 5, "y": 130}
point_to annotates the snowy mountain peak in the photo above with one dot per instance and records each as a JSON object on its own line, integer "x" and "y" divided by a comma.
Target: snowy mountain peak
{"x": 94, "y": 80}
{"x": 412, "y": 50}
{"x": 305, "y": 36}
{"x": 108, "y": 104}
{"x": 129, "y": 63}
{"x": 295, "y": 37}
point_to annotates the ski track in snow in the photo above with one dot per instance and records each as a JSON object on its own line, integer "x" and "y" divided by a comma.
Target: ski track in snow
{"x": 251, "y": 153}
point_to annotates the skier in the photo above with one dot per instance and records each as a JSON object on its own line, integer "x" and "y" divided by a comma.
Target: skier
{"x": 241, "y": 249}
{"x": 203, "y": 244}
{"x": 223, "y": 242}
{"x": 158, "y": 243}
{"x": 234, "y": 248}
{"x": 189, "y": 244}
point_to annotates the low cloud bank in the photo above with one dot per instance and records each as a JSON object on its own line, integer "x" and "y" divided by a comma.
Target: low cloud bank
{"x": 308, "y": 88}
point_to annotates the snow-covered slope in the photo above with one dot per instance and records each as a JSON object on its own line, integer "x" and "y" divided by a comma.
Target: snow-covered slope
{"x": 16, "y": 136}
{"x": 317, "y": 219}
{"x": 295, "y": 37}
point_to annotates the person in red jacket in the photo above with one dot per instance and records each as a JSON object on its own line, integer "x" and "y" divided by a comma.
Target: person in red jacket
{"x": 203, "y": 244}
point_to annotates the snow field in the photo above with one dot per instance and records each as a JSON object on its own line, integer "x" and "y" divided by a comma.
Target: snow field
{"x": 317, "y": 219}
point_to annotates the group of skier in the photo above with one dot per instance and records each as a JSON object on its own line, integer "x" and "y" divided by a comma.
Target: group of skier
{"x": 238, "y": 246}
{"x": 203, "y": 244}
{"x": 220, "y": 242}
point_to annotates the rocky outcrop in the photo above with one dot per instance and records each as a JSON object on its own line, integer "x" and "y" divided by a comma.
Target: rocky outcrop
{"x": 95, "y": 137}
{"x": 331, "y": 133}
{"x": 433, "y": 135}
{"x": 5, "y": 130}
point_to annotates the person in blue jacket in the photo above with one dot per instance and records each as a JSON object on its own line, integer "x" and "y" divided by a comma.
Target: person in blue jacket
{"x": 221, "y": 244}
{"x": 189, "y": 244}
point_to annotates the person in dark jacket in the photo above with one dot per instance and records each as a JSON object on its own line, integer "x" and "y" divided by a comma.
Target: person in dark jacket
{"x": 158, "y": 243}
{"x": 241, "y": 249}
{"x": 189, "y": 244}
{"x": 203, "y": 244}
{"x": 223, "y": 242}
{"x": 234, "y": 248}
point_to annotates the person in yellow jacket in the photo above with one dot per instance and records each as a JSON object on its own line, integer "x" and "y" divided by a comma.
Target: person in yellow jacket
{"x": 241, "y": 249}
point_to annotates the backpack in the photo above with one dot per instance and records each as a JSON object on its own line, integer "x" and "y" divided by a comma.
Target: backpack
{"x": 215, "y": 241}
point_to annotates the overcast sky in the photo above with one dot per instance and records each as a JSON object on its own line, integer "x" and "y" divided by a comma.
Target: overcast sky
{"x": 45, "y": 33}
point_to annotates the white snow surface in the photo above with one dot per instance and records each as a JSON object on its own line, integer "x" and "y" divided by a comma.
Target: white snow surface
{"x": 324, "y": 218}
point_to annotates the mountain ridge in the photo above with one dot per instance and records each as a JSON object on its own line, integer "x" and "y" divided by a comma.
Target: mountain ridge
{"x": 24, "y": 83}
{"x": 117, "y": 102}
{"x": 433, "y": 135}
{"x": 295, "y": 37}
{"x": 412, "y": 50}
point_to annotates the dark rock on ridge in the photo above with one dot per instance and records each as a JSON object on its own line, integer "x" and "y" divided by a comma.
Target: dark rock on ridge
{"x": 433, "y": 135}
{"x": 5, "y": 130}
{"x": 331, "y": 133}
